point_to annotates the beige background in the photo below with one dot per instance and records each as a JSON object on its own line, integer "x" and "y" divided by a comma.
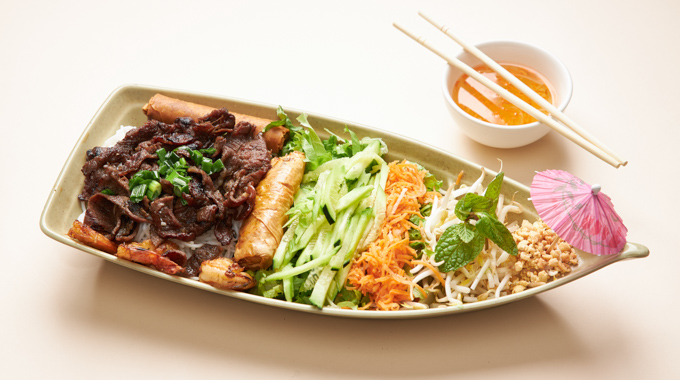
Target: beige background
{"x": 66, "y": 314}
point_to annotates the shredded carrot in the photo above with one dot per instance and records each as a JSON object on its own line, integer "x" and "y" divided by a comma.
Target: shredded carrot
{"x": 459, "y": 178}
{"x": 430, "y": 267}
{"x": 379, "y": 271}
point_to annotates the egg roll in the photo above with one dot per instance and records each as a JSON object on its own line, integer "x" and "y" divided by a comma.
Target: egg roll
{"x": 262, "y": 230}
{"x": 167, "y": 110}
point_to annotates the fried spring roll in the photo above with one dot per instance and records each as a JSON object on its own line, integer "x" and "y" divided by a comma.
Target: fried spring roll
{"x": 261, "y": 232}
{"x": 167, "y": 109}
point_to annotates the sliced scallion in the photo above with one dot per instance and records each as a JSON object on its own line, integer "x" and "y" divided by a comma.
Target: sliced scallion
{"x": 172, "y": 167}
{"x": 138, "y": 192}
{"x": 217, "y": 166}
{"x": 153, "y": 190}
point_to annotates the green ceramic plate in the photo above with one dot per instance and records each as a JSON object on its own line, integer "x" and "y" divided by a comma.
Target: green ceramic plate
{"x": 124, "y": 107}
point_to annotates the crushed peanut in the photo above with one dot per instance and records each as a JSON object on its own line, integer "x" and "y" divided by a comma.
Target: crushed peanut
{"x": 542, "y": 256}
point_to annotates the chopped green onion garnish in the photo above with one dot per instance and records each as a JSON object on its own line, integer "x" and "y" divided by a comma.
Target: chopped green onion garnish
{"x": 208, "y": 151}
{"x": 171, "y": 175}
{"x": 206, "y": 164}
{"x": 137, "y": 193}
{"x": 179, "y": 181}
{"x": 153, "y": 190}
{"x": 161, "y": 153}
{"x": 217, "y": 166}
{"x": 173, "y": 168}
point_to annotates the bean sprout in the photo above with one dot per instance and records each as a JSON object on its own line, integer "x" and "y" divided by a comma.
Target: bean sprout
{"x": 500, "y": 287}
{"x": 479, "y": 279}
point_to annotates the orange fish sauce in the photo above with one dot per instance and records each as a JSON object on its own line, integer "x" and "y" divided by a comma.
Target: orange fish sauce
{"x": 484, "y": 104}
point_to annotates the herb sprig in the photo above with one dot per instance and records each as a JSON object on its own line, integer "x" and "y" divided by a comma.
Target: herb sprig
{"x": 461, "y": 243}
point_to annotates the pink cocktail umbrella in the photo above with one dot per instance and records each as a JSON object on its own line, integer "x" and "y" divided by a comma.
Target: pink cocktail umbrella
{"x": 578, "y": 213}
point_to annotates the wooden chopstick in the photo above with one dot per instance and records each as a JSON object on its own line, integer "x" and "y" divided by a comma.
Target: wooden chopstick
{"x": 521, "y": 104}
{"x": 554, "y": 112}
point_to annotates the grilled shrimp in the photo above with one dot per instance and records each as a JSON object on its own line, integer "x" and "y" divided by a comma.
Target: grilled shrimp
{"x": 86, "y": 235}
{"x": 224, "y": 273}
{"x": 142, "y": 253}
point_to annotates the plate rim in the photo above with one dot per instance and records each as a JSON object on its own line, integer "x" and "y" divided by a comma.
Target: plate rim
{"x": 630, "y": 251}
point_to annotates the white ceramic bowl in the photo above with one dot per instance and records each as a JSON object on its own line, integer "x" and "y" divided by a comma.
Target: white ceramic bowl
{"x": 504, "y": 136}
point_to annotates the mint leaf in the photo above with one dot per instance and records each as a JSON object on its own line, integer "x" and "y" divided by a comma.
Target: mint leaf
{"x": 461, "y": 243}
{"x": 493, "y": 191}
{"x": 454, "y": 251}
{"x": 466, "y": 232}
{"x": 470, "y": 203}
{"x": 491, "y": 228}
{"x": 494, "y": 188}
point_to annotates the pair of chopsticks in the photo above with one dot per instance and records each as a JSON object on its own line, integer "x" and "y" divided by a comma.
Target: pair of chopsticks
{"x": 567, "y": 128}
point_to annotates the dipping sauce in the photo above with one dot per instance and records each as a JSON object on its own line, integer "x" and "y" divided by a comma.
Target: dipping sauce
{"x": 484, "y": 104}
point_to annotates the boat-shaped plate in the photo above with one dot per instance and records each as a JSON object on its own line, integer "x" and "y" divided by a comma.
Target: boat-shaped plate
{"x": 124, "y": 107}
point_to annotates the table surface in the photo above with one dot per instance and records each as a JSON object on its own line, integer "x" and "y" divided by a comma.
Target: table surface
{"x": 66, "y": 314}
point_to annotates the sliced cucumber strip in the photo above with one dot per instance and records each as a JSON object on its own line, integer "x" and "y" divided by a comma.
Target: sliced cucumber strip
{"x": 353, "y": 197}
{"x": 318, "y": 297}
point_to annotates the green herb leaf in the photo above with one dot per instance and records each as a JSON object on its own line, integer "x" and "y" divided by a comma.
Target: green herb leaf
{"x": 414, "y": 234}
{"x": 491, "y": 228}
{"x": 348, "y": 298}
{"x": 330, "y": 144}
{"x": 471, "y": 203}
{"x": 493, "y": 191}
{"x": 466, "y": 232}
{"x": 456, "y": 252}
{"x": 356, "y": 144}
{"x": 268, "y": 289}
{"x": 426, "y": 210}
{"x": 314, "y": 149}
{"x": 283, "y": 121}
{"x": 431, "y": 182}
